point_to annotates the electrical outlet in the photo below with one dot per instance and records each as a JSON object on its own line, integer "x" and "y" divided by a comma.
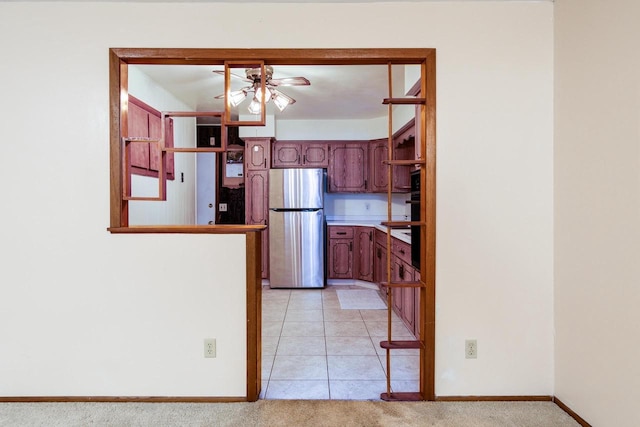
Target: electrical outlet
{"x": 471, "y": 349}
{"x": 222, "y": 207}
{"x": 210, "y": 347}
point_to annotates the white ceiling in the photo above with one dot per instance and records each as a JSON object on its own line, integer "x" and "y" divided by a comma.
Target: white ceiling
{"x": 336, "y": 91}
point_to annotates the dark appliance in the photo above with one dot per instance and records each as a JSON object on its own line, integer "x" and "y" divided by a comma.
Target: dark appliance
{"x": 415, "y": 216}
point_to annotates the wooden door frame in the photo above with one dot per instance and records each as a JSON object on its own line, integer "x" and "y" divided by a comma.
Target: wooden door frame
{"x": 120, "y": 58}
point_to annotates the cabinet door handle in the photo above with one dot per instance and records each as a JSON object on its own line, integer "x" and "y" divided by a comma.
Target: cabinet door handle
{"x": 350, "y": 246}
{"x": 265, "y": 163}
{"x": 401, "y": 272}
{"x": 341, "y": 233}
{"x": 304, "y": 159}
{"x": 401, "y": 251}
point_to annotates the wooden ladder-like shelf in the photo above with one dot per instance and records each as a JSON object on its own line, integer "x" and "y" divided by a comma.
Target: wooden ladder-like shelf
{"x": 390, "y": 344}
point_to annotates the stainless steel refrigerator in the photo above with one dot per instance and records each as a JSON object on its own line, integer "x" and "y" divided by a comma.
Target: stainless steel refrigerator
{"x": 296, "y": 228}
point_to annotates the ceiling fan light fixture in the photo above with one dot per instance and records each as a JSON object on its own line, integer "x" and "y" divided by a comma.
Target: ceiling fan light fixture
{"x": 281, "y": 100}
{"x": 236, "y": 97}
{"x": 255, "y": 107}
{"x": 258, "y": 91}
{"x": 256, "y": 79}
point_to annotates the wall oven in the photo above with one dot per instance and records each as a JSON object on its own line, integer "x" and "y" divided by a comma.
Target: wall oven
{"x": 415, "y": 216}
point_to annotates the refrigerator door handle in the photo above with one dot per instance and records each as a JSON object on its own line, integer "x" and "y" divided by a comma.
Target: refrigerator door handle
{"x": 294, "y": 210}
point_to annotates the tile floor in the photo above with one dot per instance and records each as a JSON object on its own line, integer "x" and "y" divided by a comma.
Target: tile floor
{"x": 313, "y": 349}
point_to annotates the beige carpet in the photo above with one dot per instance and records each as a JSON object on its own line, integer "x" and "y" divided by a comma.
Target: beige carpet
{"x": 287, "y": 413}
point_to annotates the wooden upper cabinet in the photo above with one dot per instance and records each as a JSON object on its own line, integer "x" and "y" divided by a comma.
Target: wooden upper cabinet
{"x": 286, "y": 155}
{"x": 378, "y": 153}
{"x": 139, "y": 128}
{"x": 359, "y": 166}
{"x": 257, "y": 153}
{"x": 168, "y": 142}
{"x": 155, "y": 131}
{"x": 146, "y": 122}
{"x": 404, "y": 148}
{"x": 315, "y": 155}
{"x": 348, "y": 167}
{"x": 300, "y": 154}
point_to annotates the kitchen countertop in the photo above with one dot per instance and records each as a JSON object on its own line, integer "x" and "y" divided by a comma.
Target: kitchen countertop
{"x": 400, "y": 234}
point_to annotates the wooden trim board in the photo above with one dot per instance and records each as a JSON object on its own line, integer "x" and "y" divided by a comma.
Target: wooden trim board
{"x": 120, "y": 58}
{"x": 571, "y": 413}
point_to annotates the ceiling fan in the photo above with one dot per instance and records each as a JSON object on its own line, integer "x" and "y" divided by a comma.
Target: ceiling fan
{"x": 254, "y": 77}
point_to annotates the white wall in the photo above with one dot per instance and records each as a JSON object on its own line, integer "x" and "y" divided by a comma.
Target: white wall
{"x": 332, "y": 129}
{"x": 373, "y": 205}
{"x": 597, "y": 209}
{"x": 69, "y": 282}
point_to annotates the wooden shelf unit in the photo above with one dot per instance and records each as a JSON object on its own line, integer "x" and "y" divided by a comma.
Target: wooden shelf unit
{"x": 390, "y": 344}
{"x": 163, "y": 149}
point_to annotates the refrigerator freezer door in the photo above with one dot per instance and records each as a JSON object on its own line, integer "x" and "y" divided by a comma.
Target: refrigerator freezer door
{"x": 296, "y": 249}
{"x": 296, "y": 188}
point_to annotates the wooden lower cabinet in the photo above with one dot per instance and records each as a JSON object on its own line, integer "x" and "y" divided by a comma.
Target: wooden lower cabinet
{"x": 380, "y": 263}
{"x": 416, "y": 306}
{"x": 340, "y": 252}
{"x": 357, "y": 252}
{"x": 363, "y": 259}
{"x": 408, "y": 301}
{"x": 350, "y": 253}
{"x": 405, "y": 301}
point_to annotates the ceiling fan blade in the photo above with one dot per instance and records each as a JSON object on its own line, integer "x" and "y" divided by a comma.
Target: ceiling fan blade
{"x": 290, "y": 81}
{"x": 221, "y": 72}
